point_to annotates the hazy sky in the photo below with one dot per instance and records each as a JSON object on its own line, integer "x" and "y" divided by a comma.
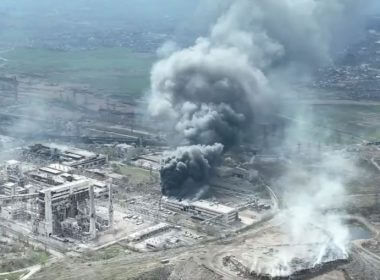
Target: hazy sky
{"x": 182, "y": 19}
{"x": 189, "y": 18}
{"x": 109, "y": 10}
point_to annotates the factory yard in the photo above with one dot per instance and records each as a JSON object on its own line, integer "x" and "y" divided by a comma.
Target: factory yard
{"x": 81, "y": 204}
{"x": 208, "y": 260}
{"x": 125, "y": 154}
{"x": 87, "y": 192}
{"x": 237, "y": 234}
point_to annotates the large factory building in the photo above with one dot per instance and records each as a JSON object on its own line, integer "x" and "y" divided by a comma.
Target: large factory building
{"x": 202, "y": 209}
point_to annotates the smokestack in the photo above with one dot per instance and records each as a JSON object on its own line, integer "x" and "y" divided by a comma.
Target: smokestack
{"x": 92, "y": 213}
{"x": 110, "y": 205}
{"x": 48, "y": 213}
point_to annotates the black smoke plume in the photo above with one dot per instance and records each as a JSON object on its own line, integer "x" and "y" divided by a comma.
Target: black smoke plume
{"x": 209, "y": 99}
{"x": 235, "y": 78}
{"x": 216, "y": 89}
{"x": 187, "y": 171}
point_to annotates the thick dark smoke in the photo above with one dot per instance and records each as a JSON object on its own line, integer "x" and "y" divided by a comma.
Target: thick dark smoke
{"x": 215, "y": 90}
{"x": 187, "y": 171}
{"x": 215, "y": 123}
{"x": 208, "y": 97}
{"x": 220, "y": 89}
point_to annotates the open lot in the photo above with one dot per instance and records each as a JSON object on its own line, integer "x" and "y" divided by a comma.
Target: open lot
{"x": 336, "y": 122}
{"x": 17, "y": 255}
{"x": 112, "y": 71}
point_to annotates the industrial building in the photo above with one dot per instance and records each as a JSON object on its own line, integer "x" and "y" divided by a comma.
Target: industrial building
{"x": 57, "y": 200}
{"x": 151, "y": 162}
{"x": 58, "y": 204}
{"x": 150, "y": 231}
{"x": 202, "y": 209}
{"x": 67, "y": 156}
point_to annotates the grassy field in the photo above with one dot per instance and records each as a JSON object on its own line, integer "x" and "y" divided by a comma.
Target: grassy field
{"x": 104, "y": 254}
{"x": 112, "y": 71}
{"x": 340, "y": 123}
{"x": 12, "y": 276}
{"x": 33, "y": 258}
{"x": 135, "y": 175}
{"x": 19, "y": 256}
{"x": 119, "y": 72}
{"x": 359, "y": 120}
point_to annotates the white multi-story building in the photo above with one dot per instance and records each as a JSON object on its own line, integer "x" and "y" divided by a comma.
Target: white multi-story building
{"x": 202, "y": 209}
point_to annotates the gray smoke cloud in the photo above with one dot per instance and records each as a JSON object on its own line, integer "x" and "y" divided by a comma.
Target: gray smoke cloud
{"x": 310, "y": 196}
{"x": 187, "y": 170}
{"x": 252, "y": 54}
{"x": 215, "y": 91}
{"x": 207, "y": 98}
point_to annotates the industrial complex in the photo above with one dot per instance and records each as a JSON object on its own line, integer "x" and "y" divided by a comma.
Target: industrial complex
{"x": 252, "y": 152}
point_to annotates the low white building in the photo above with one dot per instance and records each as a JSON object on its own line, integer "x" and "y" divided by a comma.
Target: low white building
{"x": 149, "y": 232}
{"x": 202, "y": 209}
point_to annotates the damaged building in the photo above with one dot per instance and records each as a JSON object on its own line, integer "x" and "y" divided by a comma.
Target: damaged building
{"x": 57, "y": 199}
{"x": 72, "y": 157}
{"x": 69, "y": 206}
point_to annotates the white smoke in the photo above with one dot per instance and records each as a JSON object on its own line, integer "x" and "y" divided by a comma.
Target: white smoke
{"x": 244, "y": 68}
{"x": 311, "y": 196}
{"x": 249, "y": 60}
{"x": 167, "y": 49}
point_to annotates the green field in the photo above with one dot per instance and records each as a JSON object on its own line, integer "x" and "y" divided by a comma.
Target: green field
{"x": 111, "y": 71}
{"x": 26, "y": 258}
{"x": 135, "y": 175}
{"x": 104, "y": 254}
{"x": 362, "y": 121}
{"x": 12, "y": 276}
{"x": 119, "y": 72}
{"x": 338, "y": 123}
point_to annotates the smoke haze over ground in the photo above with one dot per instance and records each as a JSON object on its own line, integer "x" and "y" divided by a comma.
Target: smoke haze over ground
{"x": 214, "y": 91}
{"x": 309, "y": 194}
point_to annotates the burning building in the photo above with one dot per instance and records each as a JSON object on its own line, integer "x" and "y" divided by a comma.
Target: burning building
{"x": 187, "y": 171}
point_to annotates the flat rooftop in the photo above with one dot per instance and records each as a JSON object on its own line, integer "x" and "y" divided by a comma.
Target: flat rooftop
{"x": 212, "y": 206}
{"x": 203, "y": 204}
{"x": 12, "y": 162}
{"x": 72, "y": 185}
{"x": 70, "y": 151}
{"x": 50, "y": 170}
{"x": 60, "y": 167}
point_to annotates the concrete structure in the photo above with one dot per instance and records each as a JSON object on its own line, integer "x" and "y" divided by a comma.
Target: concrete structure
{"x": 148, "y": 232}
{"x": 57, "y": 199}
{"x": 202, "y": 209}
{"x": 110, "y": 205}
{"x": 57, "y": 174}
{"x": 151, "y": 162}
{"x": 92, "y": 213}
{"x": 9, "y": 188}
{"x": 56, "y": 204}
{"x": 69, "y": 157}
{"x": 14, "y": 172}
